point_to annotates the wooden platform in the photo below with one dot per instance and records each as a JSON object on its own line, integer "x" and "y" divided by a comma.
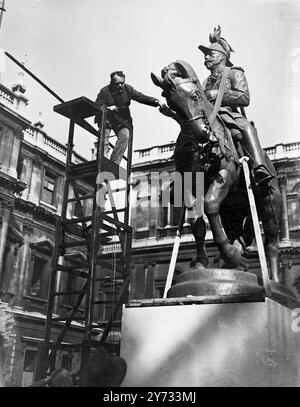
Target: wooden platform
{"x": 81, "y": 107}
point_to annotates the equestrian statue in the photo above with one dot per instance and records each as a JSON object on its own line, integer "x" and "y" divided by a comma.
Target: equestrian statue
{"x": 214, "y": 136}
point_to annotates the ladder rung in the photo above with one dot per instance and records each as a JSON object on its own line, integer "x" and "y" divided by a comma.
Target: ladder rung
{"x": 71, "y": 292}
{"x": 115, "y": 222}
{"x": 104, "y": 323}
{"x": 119, "y": 189}
{"x": 81, "y": 198}
{"x": 87, "y": 229}
{"x": 88, "y": 165}
{"x": 75, "y": 243}
{"x": 110, "y": 229}
{"x": 82, "y": 174}
{"x": 77, "y": 220}
{"x": 103, "y": 302}
{"x": 62, "y": 319}
{"x": 116, "y": 210}
{"x": 77, "y": 230}
{"x": 72, "y": 270}
{"x": 67, "y": 346}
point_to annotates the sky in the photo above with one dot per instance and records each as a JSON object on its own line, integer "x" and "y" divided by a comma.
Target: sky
{"x": 73, "y": 45}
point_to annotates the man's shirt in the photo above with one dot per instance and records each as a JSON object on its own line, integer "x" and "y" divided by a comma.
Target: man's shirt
{"x": 122, "y": 99}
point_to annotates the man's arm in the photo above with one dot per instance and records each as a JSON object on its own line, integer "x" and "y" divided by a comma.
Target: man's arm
{"x": 141, "y": 98}
{"x": 239, "y": 94}
{"x": 100, "y": 100}
{"x": 166, "y": 111}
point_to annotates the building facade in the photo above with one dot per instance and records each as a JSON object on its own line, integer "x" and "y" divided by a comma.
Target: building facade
{"x": 31, "y": 191}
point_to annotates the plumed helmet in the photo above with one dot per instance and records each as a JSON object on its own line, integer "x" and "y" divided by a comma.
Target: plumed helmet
{"x": 217, "y": 43}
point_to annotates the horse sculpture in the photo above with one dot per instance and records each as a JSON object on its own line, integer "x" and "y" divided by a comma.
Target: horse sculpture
{"x": 208, "y": 146}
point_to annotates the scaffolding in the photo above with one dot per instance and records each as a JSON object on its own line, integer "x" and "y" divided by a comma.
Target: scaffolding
{"x": 92, "y": 232}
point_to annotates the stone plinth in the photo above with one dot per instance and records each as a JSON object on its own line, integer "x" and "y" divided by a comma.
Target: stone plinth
{"x": 226, "y": 344}
{"x": 199, "y": 281}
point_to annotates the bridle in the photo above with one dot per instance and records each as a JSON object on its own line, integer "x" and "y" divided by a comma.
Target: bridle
{"x": 191, "y": 80}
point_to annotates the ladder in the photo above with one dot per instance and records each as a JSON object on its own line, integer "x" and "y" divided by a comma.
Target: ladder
{"x": 89, "y": 233}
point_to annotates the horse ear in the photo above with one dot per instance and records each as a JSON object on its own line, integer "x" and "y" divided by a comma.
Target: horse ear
{"x": 156, "y": 80}
{"x": 181, "y": 69}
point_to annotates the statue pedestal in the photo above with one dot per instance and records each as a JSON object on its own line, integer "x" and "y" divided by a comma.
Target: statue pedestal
{"x": 199, "y": 281}
{"x": 210, "y": 344}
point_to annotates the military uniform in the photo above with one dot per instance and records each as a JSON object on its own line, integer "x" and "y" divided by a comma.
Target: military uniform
{"x": 236, "y": 95}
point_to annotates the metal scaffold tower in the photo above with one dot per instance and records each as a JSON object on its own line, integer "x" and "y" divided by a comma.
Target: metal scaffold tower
{"x": 89, "y": 233}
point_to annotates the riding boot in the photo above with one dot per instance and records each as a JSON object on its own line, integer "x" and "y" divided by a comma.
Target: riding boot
{"x": 251, "y": 145}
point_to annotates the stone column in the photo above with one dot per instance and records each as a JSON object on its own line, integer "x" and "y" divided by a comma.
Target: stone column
{"x": 24, "y": 264}
{"x": 10, "y": 141}
{"x": 36, "y": 181}
{"x": 6, "y": 141}
{"x": 71, "y": 205}
{"x": 59, "y": 192}
{"x": 13, "y": 162}
{"x": 5, "y": 215}
{"x": 58, "y": 284}
{"x": 12, "y": 273}
{"x": 7, "y": 270}
{"x": 26, "y": 175}
{"x": 285, "y": 234}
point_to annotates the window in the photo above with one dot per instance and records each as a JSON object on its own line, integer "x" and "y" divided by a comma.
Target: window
{"x": 66, "y": 361}
{"x": 110, "y": 298}
{"x": 293, "y": 203}
{"x": 142, "y": 207}
{"x": 70, "y": 286}
{"x": 79, "y": 206}
{"x": 36, "y": 286}
{"x": 48, "y": 194}
{"x": 293, "y": 211}
{"x": 30, "y": 361}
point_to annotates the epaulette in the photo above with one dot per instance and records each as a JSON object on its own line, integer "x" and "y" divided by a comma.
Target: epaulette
{"x": 237, "y": 67}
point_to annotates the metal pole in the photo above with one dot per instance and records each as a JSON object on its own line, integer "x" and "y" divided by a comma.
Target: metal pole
{"x": 2, "y": 9}
{"x": 258, "y": 237}
{"x": 174, "y": 252}
{"x": 33, "y": 76}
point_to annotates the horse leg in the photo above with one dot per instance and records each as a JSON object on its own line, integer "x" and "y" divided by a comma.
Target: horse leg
{"x": 199, "y": 232}
{"x": 217, "y": 191}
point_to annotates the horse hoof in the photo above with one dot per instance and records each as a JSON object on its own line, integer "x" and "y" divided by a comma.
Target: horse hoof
{"x": 233, "y": 256}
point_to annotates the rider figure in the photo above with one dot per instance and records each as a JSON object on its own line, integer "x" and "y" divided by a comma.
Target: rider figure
{"x": 236, "y": 95}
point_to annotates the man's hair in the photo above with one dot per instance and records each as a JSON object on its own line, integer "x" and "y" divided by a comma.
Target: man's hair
{"x": 119, "y": 73}
{"x": 61, "y": 378}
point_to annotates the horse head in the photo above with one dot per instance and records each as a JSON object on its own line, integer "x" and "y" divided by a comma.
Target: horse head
{"x": 180, "y": 86}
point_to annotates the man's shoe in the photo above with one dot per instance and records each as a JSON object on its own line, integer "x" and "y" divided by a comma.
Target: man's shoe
{"x": 262, "y": 175}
